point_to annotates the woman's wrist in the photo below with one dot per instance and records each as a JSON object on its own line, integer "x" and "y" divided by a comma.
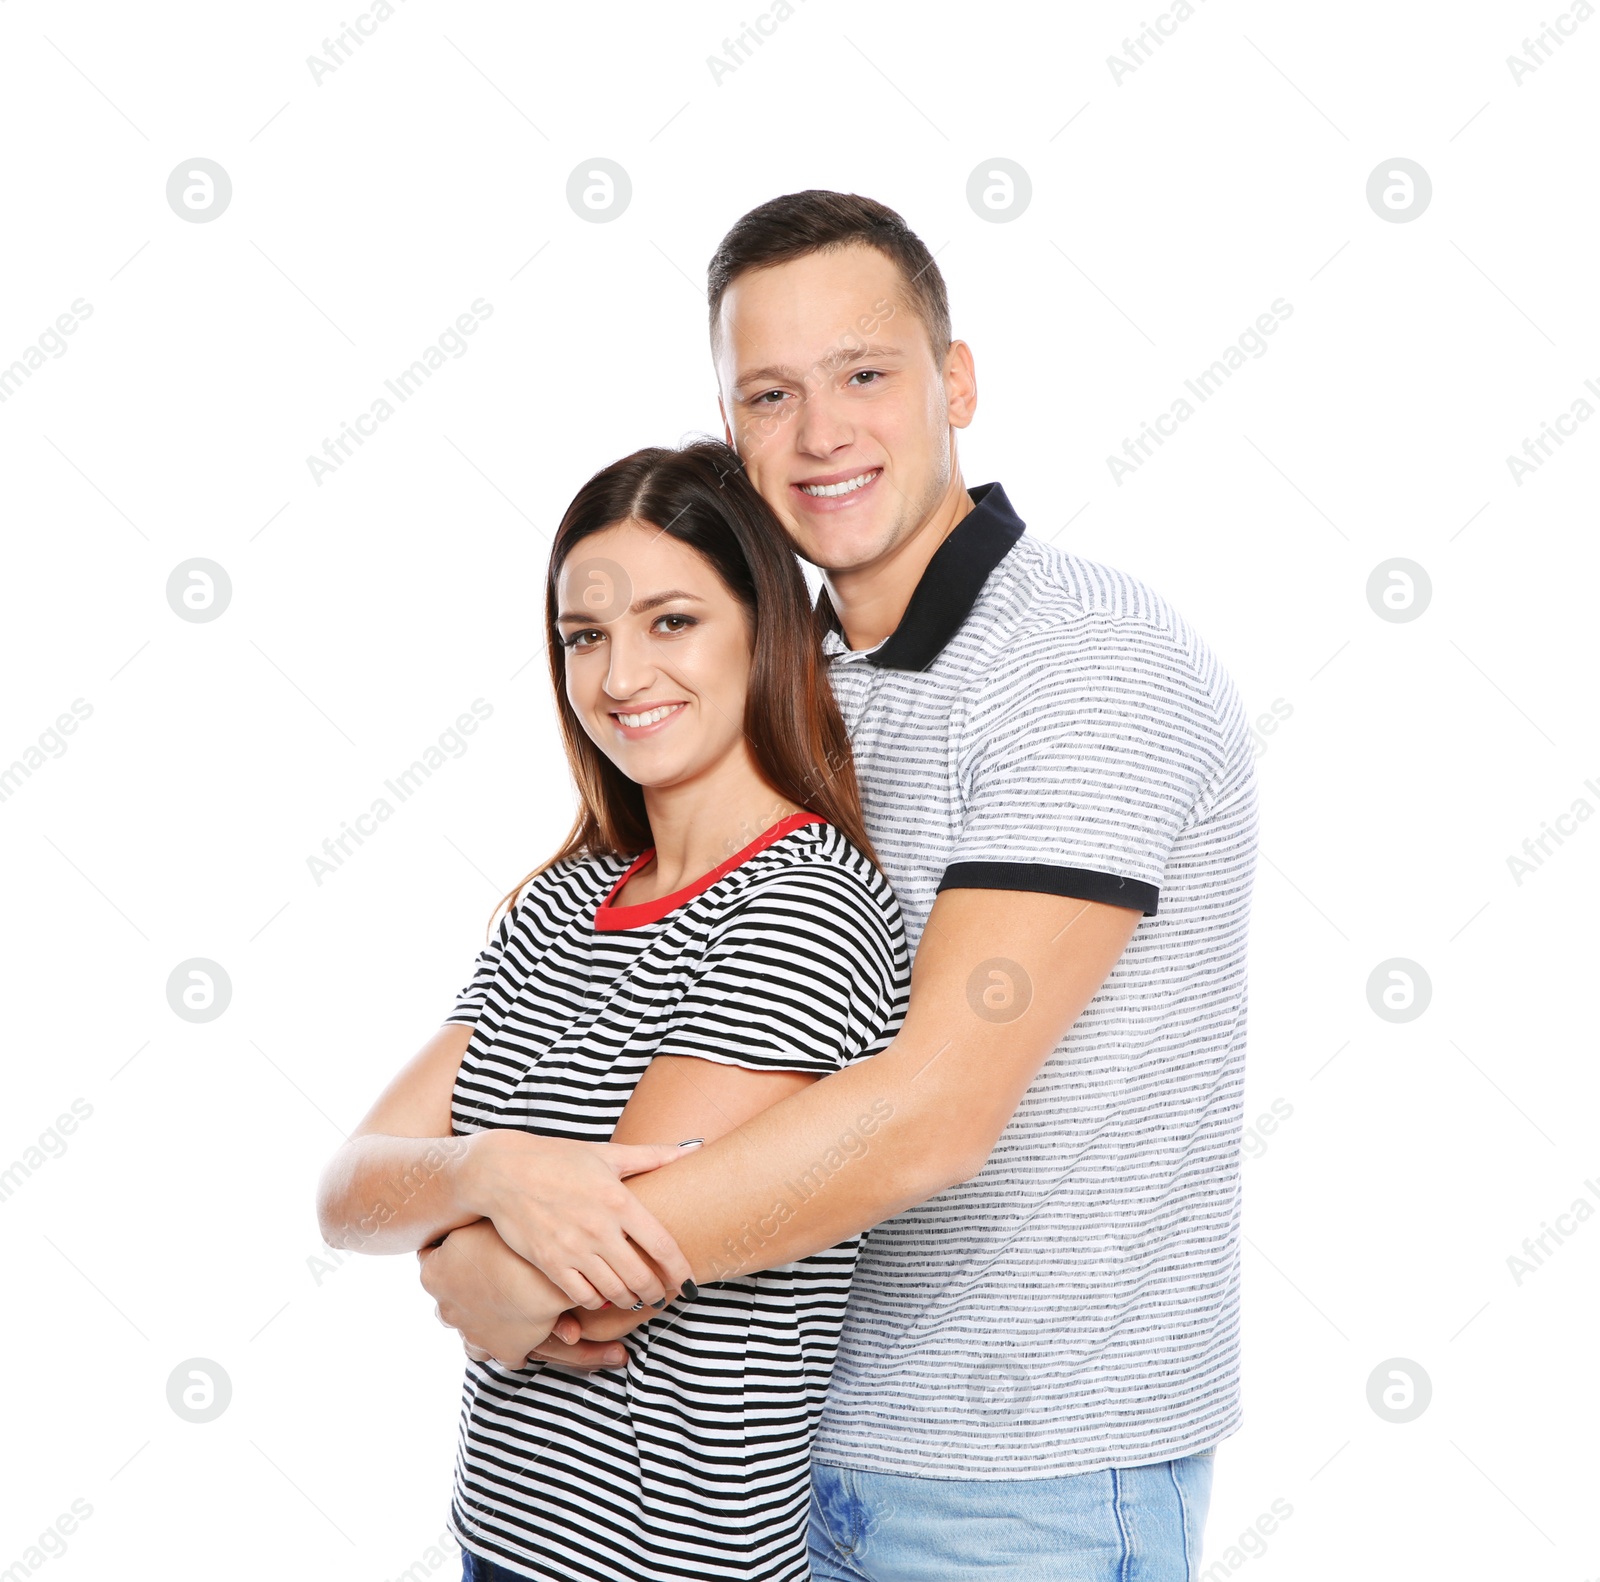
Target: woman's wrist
{"x": 478, "y": 1174}
{"x": 492, "y": 1175}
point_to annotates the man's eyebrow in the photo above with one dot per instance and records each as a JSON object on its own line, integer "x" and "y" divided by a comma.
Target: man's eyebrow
{"x": 638, "y": 607}
{"x": 779, "y": 374}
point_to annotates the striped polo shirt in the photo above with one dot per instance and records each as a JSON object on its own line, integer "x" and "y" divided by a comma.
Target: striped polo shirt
{"x": 1041, "y": 722}
{"x": 690, "y": 1461}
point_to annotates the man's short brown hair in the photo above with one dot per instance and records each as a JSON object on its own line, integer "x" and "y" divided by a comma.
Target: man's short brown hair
{"x": 800, "y": 223}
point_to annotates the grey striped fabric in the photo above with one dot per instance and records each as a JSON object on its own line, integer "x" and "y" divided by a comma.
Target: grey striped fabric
{"x": 690, "y": 1461}
{"x": 1075, "y": 1306}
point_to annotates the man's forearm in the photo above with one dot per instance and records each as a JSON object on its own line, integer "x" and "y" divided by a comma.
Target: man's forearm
{"x": 884, "y": 1134}
{"x": 395, "y": 1194}
{"x": 840, "y": 1156}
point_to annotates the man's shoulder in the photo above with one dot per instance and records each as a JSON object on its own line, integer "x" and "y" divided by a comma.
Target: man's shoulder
{"x": 1048, "y": 607}
{"x": 1045, "y": 581}
{"x": 1060, "y": 634}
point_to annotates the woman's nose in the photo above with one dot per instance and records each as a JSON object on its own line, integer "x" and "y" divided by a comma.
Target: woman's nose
{"x": 631, "y": 669}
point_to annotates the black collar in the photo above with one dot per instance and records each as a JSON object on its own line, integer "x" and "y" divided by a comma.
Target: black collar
{"x": 949, "y": 586}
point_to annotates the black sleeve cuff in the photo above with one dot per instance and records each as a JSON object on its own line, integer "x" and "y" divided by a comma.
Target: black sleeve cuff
{"x": 1082, "y": 883}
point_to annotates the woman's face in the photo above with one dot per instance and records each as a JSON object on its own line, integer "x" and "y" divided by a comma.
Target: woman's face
{"x": 657, "y": 654}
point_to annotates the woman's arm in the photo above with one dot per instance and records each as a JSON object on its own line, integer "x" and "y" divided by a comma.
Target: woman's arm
{"x": 402, "y": 1181}
{"x": 694, "y": 1098}
{"x": 702, "y": 1099}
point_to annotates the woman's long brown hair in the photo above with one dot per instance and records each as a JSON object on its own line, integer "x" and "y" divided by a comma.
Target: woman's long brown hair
{"x": 699, "y": 494}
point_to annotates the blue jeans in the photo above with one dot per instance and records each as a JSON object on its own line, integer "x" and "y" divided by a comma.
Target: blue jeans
{"x": 1129, "y": 1524}
{"x": 474, "y": 1568}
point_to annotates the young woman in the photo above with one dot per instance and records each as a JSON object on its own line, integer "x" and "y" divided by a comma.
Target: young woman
{"x": 713, "y": 935}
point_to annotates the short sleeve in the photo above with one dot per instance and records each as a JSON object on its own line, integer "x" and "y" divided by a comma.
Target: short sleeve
{"x": 549, "y": 901}
{"x": 805, "y": 973}
{"x": 1094, "y": 746}
{"x": 469, "y": 1003}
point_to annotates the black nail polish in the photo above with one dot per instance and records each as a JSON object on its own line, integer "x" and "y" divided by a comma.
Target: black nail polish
{"x": 660, "y": 1304}
{"x": 636, "y": 1306}
{"x": 690, "y": 1289}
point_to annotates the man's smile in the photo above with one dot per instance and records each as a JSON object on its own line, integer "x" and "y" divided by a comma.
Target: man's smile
{"x": 831, "y": 490}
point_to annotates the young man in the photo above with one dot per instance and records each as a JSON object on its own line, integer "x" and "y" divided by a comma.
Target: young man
{"x": 1041, "y": 1350}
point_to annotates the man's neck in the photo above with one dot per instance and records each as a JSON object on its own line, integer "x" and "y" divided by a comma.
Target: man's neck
{"x": 871, "y": 601}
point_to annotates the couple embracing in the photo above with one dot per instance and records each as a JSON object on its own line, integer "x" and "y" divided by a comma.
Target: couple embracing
{"x": 832, "y": 1164}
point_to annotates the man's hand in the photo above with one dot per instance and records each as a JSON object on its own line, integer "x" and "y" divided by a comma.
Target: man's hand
{"x": 586, "y": 1340}
{"x": 503, "y": 1307}
{"x": 583, "y": 1355}
{"x": 561, "y": 1205}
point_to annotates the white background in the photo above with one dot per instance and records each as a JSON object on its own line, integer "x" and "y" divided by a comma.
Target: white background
{"x": 370, "y": 609}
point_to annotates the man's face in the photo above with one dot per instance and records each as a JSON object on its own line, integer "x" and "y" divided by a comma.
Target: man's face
{"x": 833, "y": 399}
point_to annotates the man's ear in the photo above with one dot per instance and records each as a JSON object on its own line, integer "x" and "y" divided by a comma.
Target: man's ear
{"x": 960, "y": 384}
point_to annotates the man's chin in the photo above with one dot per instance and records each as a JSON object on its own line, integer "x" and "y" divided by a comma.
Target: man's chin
{"x": 841, "y": 549}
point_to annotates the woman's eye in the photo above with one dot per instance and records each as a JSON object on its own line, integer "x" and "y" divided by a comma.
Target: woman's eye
{"x": 675, "y": 623}
{"x": 582, "y": 640}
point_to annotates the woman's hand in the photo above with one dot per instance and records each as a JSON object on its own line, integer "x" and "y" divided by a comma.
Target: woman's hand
{"x": 502, "y": 1306}
{"x": 562, "y": 1206}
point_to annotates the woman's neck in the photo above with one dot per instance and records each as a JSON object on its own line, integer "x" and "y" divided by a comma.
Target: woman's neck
{"x": 699, "y": 825}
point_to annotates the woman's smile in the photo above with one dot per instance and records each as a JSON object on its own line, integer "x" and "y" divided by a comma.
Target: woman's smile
{"x": 634, "y": 724}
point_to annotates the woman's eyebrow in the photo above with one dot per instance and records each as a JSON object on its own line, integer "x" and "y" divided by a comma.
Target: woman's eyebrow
{"x": 638, "y": 607}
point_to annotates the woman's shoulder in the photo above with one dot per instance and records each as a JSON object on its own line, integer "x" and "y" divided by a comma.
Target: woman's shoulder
{"x": 816, "y": 867}
{"x": 812, "y": 914}
{"x": 562, "y": 889}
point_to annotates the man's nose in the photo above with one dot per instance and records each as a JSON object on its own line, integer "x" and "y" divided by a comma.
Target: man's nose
{"x": 823, "y": 429}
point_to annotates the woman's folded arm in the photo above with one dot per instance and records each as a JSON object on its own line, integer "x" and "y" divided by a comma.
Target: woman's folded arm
{"x": 402, "y": 1181}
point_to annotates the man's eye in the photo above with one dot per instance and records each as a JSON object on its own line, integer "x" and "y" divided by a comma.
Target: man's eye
{"x": 866, "y": 373}
{"x": 763, "y": 399}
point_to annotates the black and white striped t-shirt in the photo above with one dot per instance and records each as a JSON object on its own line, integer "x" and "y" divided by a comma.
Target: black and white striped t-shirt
{"x": 692, "y": 1459}
{"x": 1042, "y": 722}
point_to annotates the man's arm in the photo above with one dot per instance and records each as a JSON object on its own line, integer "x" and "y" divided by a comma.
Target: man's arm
{"x": 999, "y": 978}
{"x": 866, "y": 1143}
{"x": 680, "y": 1093}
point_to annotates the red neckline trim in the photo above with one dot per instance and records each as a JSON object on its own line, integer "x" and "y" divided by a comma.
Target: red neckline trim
{"x": 608, "y": 917}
